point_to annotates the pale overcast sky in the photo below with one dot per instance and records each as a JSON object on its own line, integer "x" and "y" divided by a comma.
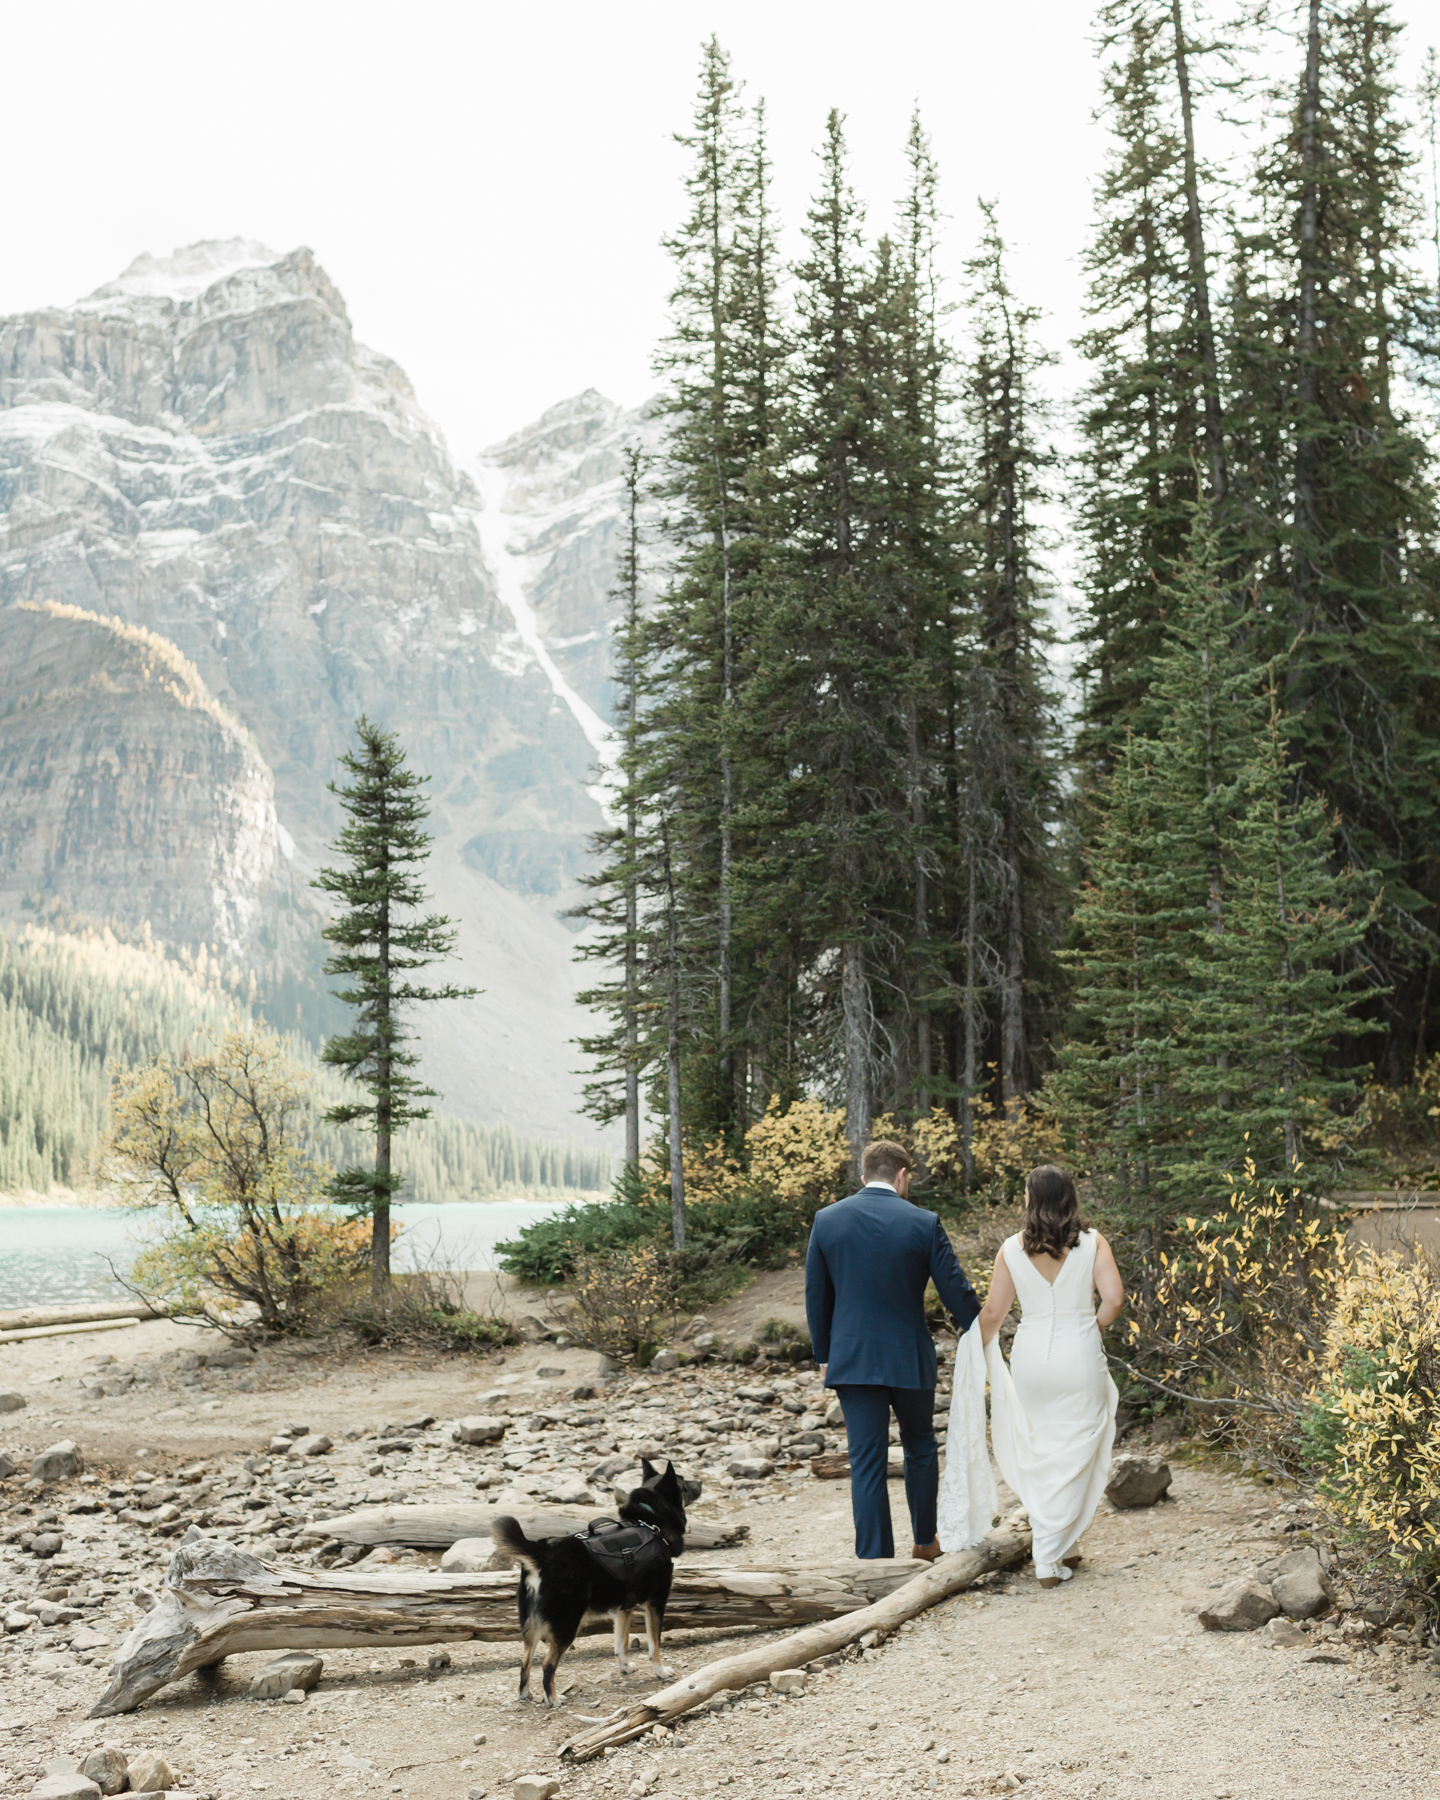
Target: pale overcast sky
{"x": 487, "y": 184}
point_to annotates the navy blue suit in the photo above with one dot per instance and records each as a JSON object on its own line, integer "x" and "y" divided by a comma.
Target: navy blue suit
{"x": 866, "y": 1269}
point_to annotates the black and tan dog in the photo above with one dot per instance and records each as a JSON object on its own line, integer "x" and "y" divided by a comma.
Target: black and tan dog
{"x": 611, "y": 1570}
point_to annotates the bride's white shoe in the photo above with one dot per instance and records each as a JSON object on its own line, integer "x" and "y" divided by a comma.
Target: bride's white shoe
{"x": 1051, "y": 1574}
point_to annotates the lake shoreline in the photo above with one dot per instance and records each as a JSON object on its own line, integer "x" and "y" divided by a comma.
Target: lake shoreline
{"x": 100, "y": 1200}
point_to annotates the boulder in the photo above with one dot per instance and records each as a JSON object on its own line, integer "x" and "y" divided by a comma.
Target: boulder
{"x": 237, "y": 1357}
{"x": 1299, "y": 1584}
{"x": 47, "y": 1544}
{"x": 295, "y": 1669}
{"x": 536, "y": 1787}
{"x": 1242, "y": 1605}
{"x": 479, "y": 1428}
{"x": 750, "y": 1468}
{"x": 65, "y": 1787}
{"x": 314, "y": 1443}
{"x": 10, "y": 1401}
{"x": 150, "y": 1773}
{"x": 8, "y": 1465}
{"x": 467, "y": 1556}
{"x": 279, "y": 1446}
{"x": 1283, "y": 1634}
{"x": 107, "y": 1768}
{"x": 665, "y": 1360}
{"x": 788, "y": 1681}
{"x": 1137, "y": 1480}
{"x": 59, "y": 1462}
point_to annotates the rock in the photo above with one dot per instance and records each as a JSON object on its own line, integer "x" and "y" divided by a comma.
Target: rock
{"x": 150, "y": 1773}
{"x": 10, "y": 1401}
{"x": 1137, "y": 1480}
{"x": 1282, "y": 1634}
{"x": 65, "y": 1787}
{"x": 279, "y": 1446}
{"x": 295, "y": 1669}
{"x": 536, "y": 1787}
{"x": 47, "y": 1544}
{"x": 467, "y": 1556}
{"x": 1241, "y": 1605}
{"x": 107, "y": 1769}
{"x": 439, "y": 1659}
{"x": 835, "y": 1415}
{"x": 295, "y": 1696}
{"x": 788, "y": 1681}
{"x": 15, "y": 1620}
{"x": 236, "y": 1357}
{"x": 585, "y": 1391}
{"x": 59, "y": 1462}
{"x": 479, "y": 1428}
{"x": 87, "y": 1638}
{"x": 315, "y": 1443}
{"x": 1322, "y": 1656}
{"x": 665, "y": 1360}
{"x": 750, "y": 1468}
{"x": 1299, "y": 1584}
{"x": 8, "y": 1465}
{"x": 705, "y": 1342}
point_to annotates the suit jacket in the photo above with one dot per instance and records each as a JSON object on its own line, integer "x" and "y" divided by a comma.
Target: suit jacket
{"x": 865, "y": 1273}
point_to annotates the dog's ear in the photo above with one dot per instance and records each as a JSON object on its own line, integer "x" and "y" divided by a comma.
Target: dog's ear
{"x": 647, "y": 1472}
{"x": 670, "y": 1481}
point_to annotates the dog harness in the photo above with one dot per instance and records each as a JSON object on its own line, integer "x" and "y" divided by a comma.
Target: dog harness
{"x": 626, "y": 1552}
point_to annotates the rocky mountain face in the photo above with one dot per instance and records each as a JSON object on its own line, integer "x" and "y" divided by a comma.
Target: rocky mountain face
{"x": 201, "y": 449}
{"x": 127, "y": 791}
{"x": 556, "y": 523}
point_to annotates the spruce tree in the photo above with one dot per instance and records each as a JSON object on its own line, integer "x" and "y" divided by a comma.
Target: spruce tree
{"x": 621, "y": 1053}
{"x": 380, "y": 942}
{"x": 1005, "y": 414}
{"x": 1332, "y": 480}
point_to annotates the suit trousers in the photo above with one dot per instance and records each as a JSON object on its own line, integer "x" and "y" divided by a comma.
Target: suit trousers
{"x": 867, "y": 1412}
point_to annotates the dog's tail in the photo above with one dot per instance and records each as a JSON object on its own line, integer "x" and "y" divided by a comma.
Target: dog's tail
{"x": 507, "y": 1536}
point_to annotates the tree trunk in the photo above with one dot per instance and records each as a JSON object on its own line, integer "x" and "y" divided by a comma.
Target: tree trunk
{"x": 1013, "y": 1082}
{"x": 632, "y": 998}
{"x": 972, "y": 1058}
{"x": 855, "y": 1009}
{"x": 1199, "y": 273}
{"x": 945, "y": 1576}
{"x": 220, "y": 1601}
{"x": 672, "y": 1058}
{"x": 921, "y": 960}
{"x": 730, "y": 1111}
{"x": 1307, "y": 513}
{"x": 437, "y": 1525}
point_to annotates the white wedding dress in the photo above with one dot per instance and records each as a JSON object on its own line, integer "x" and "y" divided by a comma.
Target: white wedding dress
{"x": 1052, "y": 1414}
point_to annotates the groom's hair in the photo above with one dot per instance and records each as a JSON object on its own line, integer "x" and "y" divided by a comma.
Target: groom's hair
{"x": 883, "y": 1160}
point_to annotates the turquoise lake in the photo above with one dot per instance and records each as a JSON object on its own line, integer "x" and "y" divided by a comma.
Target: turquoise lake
{"x": 62, "y": 1255}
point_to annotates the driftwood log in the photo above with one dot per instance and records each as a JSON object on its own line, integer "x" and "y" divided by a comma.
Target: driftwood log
{"x": 218, "y": 1601}
{"x": 436, "y": 1527}
{"x": 945, "y": 1576}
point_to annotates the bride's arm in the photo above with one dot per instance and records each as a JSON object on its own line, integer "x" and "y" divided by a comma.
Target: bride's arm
{"x": 999, "y": 1301}
{"x": 1109, "y": 1284}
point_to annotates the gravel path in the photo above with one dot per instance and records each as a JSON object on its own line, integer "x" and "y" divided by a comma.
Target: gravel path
{"x": 1105, "y": 1686}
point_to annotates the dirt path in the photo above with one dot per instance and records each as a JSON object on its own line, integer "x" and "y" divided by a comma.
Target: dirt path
{"x": 1105, "y": 1686}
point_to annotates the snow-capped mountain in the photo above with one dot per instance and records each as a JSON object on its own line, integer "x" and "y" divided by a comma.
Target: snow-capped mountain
{"x": 201, "y": 449}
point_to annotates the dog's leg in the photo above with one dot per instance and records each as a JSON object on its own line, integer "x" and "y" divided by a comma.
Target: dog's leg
{"x": 553, "y": 1652}
{"x": 654, "y": 1620}
{"x": 621, "y": 1617}
{"x": 527, "y": 1652}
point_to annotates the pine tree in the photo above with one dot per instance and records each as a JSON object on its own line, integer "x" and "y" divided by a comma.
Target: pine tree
{"x": 1332, "y": 480}
{"x": 378, "y": 943}
{"x": 1275, "y": 989}
{"x": 1005, "y": 413}
{"x": 1155, "y": 406}
{"x": 722, "y": 361}
{"x": 619, "y": 882}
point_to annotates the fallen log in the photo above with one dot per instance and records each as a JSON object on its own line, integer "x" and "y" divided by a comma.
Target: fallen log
{"x": 436, "y": 1527}
{"x": 945, "y": 1576}
{"x": 26, "y": 1318}
{"x": 218, "y": 1601}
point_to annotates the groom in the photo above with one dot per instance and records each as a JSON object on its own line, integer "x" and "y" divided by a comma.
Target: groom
{"x": 865, "y": 1273}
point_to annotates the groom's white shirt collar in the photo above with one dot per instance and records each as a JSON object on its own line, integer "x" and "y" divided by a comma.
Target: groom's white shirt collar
{"x": 885, "y": 1184}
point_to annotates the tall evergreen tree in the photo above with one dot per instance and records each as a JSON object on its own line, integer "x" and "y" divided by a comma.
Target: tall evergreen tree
{"x": 621, "y": 1053}
{"x": 379, "y": 942}
{"x": 1332, "y": 480}
{"x": 1004, "y": 410}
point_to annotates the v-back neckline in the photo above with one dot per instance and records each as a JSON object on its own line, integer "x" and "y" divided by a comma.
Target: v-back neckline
{"x": 1064, "y": 1263}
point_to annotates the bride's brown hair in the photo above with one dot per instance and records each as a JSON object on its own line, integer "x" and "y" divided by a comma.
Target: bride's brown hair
{"x": 1052, "y": 1213}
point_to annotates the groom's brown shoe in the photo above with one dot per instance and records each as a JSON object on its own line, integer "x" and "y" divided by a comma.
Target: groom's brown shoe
{"x": 926, "y": 1552}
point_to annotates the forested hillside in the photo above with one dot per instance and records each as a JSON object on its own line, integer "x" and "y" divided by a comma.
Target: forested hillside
{"x": 861, "y": 849}
{"x": 73, "y": 1004}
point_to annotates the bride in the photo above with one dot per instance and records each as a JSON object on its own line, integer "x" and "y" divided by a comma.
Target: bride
{"x": 1052, "y": 1411}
